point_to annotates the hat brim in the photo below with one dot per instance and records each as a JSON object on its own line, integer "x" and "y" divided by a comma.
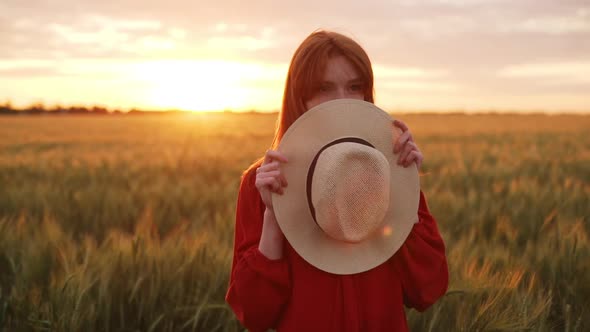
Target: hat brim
{"x": 315, "y": 128}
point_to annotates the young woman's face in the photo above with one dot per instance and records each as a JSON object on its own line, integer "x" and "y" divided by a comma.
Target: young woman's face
{"x": 341, "y": 80}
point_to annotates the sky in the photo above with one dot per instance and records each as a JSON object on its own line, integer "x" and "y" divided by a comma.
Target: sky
{"x": 427, "y": 55}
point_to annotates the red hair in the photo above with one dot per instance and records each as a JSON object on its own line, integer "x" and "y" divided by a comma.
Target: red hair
{"x": 307, "y": 68}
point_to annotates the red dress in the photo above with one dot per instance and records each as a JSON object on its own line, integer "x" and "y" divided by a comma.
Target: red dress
{"x": 289, "y": 294}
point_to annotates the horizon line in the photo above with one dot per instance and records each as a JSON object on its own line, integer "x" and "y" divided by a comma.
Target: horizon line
{"x": 40, "y": 109}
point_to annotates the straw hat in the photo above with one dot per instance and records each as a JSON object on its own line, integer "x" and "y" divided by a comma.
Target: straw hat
{"x": 348, "y": 206}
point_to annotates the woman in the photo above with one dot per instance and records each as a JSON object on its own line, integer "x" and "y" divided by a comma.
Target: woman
{"x": 271, "y": 286}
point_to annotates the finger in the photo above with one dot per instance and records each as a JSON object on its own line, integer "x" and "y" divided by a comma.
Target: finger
{"x": 283, "y": 180}
{"x": 414, "y": 156}
{"x": 265, "y": 182}
{"x": 408, "y": 147}
{"x": 275, "y": 155}
{"x": 261, "y": 183}
{"x": 273, "y": 184}
{"x": 270, "y": 184}
{"x": 401, "y": 125}
{"x": 277, "y": 175}
{"x": 268, "y": 167}
{"x": 269, "y": 174}
{"x": 401, "y": 141}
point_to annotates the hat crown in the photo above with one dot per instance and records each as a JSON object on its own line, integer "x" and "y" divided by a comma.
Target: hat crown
{"x": 350, "y": 191}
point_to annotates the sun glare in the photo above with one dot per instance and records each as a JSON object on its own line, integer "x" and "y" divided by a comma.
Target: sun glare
{"x": 197, "y": 85}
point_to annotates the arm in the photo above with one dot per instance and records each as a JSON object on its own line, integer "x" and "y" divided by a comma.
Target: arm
{"x": 259, "y": 286}
{"x": 272, "y": 238}
{"x": 421, "y": 262}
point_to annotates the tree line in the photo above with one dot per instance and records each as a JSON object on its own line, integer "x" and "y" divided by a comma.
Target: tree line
{"x": 40, "y": 109}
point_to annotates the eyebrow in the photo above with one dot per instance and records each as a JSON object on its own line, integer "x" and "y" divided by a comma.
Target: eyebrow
{"x": 354, "y": 80}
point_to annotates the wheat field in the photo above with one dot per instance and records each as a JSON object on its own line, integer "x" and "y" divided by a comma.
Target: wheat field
{"x": 125, "y": 223}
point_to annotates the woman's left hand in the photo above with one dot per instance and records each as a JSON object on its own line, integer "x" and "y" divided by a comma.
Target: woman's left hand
{"x": 406, "y": 147}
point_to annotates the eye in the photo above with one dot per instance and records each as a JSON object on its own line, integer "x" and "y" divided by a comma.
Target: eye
{"x": 324, "y": 88}
{"x": 356, "y": 87}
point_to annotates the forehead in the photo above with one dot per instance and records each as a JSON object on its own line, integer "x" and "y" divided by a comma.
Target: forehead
{"x": 339, "y": 68}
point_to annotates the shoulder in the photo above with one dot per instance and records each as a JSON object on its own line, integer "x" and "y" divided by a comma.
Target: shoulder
{"x": 248, "y": 179}
{"x": 249, "y": 174}
{"x": 249, "y": 202}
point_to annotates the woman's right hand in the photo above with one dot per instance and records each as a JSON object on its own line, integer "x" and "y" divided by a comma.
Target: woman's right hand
{"x": 269, "y": 178}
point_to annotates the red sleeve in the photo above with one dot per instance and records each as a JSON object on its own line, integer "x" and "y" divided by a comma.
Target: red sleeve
{"x": 258, "y": 287}
{"x": 421, "y": 262}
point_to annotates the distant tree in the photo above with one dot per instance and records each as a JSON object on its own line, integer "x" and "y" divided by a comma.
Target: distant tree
{"x": 36, "y": 108}
{"x": 6, "y": 108}
{"x": 8, "y": 104}
{"x": 99, "y": 110}
{"x": 77, "y": 110}
{"x": 57, "y": 109}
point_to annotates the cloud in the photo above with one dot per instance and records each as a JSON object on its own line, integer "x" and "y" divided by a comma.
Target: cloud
{"x": 420, "y": 86}
{"x": 125, "y": 36}
{"x": 86, "y": 36}
{"x": 451, "y": 46}
{"x": 240, "y": 37}
{"x": 95, "y": 20}
{"x": 550, "y": 72}
{"x": 105, "y": 35}
{"x": 391, "y": 81}
{"x": 90, "y": 69}
{"x": 438, "y": 27}
{"x": 32, "y": 72}
{"x": 384, "y": 71}
{"x": 176, "y": 28}
{"x": 456, "y": 3}
{"x": 575, "y": 23}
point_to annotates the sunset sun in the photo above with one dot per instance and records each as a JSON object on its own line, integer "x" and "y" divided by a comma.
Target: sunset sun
{"x": 195, "y": 85}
